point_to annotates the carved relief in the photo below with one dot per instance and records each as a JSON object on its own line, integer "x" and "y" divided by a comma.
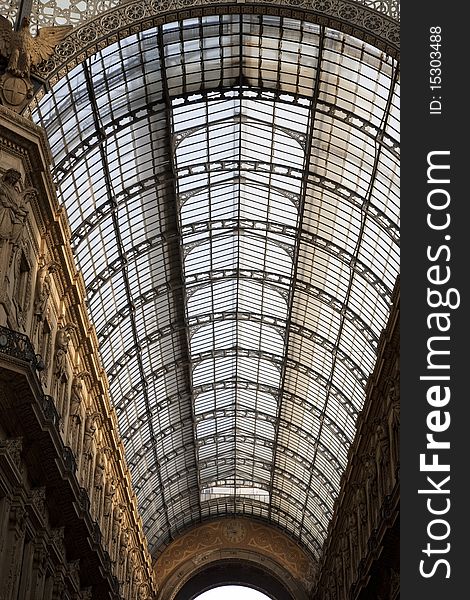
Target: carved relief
{"x": 360, "y": 503}
{"x": 57, "y": 537}
{"x": 38, "y": 499}
{"x": 90, "y": 430}
{"x": 98, "y": 482}
{"x": 18, "y": 518}
{"x": 43, "y": 288}
{"x": 13, "y": 447}
{"x": 370, "y": 468}
{"x": 45, "y": 346}
{"x": 100, "y": 466}
{"x": 124, "y": 543}
{"x": 394, "y": 420}
{"x": 109, "y": 492}
{"x": 352, "y": 535}
{"x": 143, "y": 591}
{"x": 23, "y": 51}
{"x": 118, "y": 515}
{"x": 382, "y": 455}
{"x": 14, "y": 209}
{"x": 75, "y": 411}
{"x": 62, "y": 342}
{"x": 22, "y": 286}
{"x": 41, "y": 556}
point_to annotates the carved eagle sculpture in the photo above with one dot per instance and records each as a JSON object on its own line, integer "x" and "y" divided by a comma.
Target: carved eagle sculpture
{"x": 23, "y": 50}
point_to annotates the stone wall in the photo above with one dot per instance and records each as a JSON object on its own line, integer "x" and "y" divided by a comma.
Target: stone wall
{"x": 59, "y": 436}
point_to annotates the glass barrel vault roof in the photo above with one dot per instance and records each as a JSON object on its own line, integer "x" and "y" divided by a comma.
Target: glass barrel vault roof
{"x": 232, "y": 188}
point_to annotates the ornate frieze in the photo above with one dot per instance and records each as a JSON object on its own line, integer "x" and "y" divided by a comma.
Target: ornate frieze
{"x": 205, "y": 541}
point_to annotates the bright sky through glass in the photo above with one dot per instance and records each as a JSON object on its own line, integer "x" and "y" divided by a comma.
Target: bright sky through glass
{"x": 232, "y": 592}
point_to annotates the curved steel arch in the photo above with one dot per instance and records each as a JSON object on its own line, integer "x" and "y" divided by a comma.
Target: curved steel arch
{"x": 245, "y": 412}
{"x": 140, "y": 301}
{"x": 305, "y": 237}
{"x": 300, "y": 483}
{"x": 244, "y": 436}
{"x": 267, "y": 320}
{"x": 343, "y": 436}
{"x": 275, "y": 392}
{"x": 340, "y": 190}
{"x": 299, "y": 458}
{"x": 281, "y": 325}
{"x": 154, "y": 493}
{"x": 343, "y": 115}
{"x": 316, "y": 240}
{"x": 319, "y": 294}
{"x": 163, "y": 540}
{"x": 325, "y": 183}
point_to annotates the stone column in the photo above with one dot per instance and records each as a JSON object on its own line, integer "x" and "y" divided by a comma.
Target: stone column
{"x": 13, "y": 554}
{"x": 38, "y": 580}
{"x": 58, "y": 586}
{"x": 48, "y": 586}
{"x": 26, "y": 572}
{"x": 5, "y": 504}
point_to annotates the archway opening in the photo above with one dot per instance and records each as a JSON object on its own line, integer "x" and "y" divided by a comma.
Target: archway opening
{"x": 236, "y": 579}
{"x": 232, "y": 592}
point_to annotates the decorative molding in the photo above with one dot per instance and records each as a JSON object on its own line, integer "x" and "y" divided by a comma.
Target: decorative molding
{"x": 57, "y": 537}
{"x": 76, "y": 12}
{"x": 38, "y": 500}
{"x": 30, "y": 409}
{"x": 13, "y": 448}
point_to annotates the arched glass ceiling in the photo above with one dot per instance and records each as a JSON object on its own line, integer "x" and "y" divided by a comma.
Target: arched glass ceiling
{"x": 232, "y": 189}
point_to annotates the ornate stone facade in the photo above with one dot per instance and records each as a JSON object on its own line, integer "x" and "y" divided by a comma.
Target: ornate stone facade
{"x": 63, "y": 477}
